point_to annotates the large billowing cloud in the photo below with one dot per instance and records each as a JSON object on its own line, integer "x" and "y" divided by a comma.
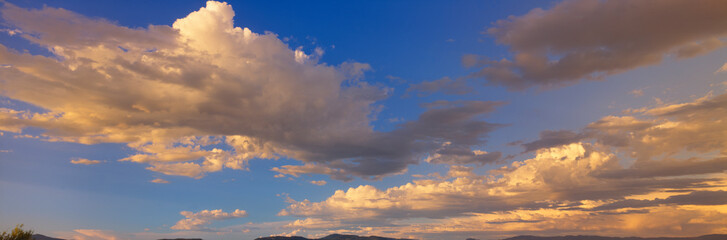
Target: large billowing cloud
{"x": 591, "y": 39}
{"x": 203, "y": 95}
{"x": 659, "y": 171}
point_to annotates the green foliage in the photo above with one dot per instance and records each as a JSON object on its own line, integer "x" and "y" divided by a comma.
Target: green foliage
{"x": 17, "y": 234}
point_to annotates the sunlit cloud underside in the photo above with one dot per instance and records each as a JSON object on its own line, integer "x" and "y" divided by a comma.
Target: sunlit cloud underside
{"x": 203, "y": 95}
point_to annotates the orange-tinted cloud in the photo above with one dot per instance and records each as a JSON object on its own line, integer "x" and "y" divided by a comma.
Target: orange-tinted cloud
{"x": 198, "y": 221}
{"x": 203, "y": 95}
{"x": 653, "y": 171}
{"x": 84, "y": 161}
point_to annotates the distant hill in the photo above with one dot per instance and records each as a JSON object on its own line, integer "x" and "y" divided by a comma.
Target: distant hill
{"x": 354, "y": 237}
{"x": 705, "y": 237}
{"x": 180, "y": 239}
{"x": 43, "y": 237}
{"x": 331, "y": 237}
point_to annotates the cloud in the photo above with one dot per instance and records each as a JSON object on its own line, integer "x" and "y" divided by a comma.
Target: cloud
{"x": 457, "y": 155}
{"x": 395, "y": 79}
{"x": 671, "y": 141}
{"x": 637, "y": 92}
{"x": 159, "y": 180}
{"x": 442, "y": 131}
{"x": 617, "y": 176}
{"x": 592, "y": 39}
{"x": 313, "y": 223}
{"x": 708, "y": 198}
{"x": 553, "y": 138}
{"x": 203, "y": 95}
{"x": 558, "y": 186}
{"x": 297, "y": 170}
{"x": 319, "y": 182}
{"x": 445, "y": 85}
{"x": 657, "y": 222}
{"x": 94, "y": 234}
{"x": 670, "y": 129}
{"x": 556, "y": 177}
{"x": 657, "y": 133}
{"x": 669, "y": 168}
{"x": 722, "y": 69}
{"x": 84, "y": 161}
{"x": 198, "y": 221}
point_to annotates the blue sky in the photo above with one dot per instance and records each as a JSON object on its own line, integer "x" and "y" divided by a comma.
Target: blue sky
{"x": 374, "y": 101}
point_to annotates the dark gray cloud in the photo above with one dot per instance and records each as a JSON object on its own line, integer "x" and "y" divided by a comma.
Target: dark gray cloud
{"x": 464, "y": 155}
{"x": 590, "y": 39}
{"x": 664, "y": 168}
{"x": 694, "y": 198}
{"x": 447, "y": 129}
{"x": 550, "y": 138}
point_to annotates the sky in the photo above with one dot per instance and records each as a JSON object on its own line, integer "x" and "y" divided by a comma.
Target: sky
{"x": 408, "y": 119}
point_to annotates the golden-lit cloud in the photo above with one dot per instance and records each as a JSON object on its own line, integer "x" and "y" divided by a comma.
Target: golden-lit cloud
{"x": 319, "y": 182}
{"x": 666, "y": 176}
{"x": 203, "y": 95}
{"x": 526, "y": 184}
{"x": 722, "y": 69}
{"x": 94, "y": 234}
{"x": 84, "y": 161}
{"x": 198, "y": 221}
{"x": 159, "y": 180}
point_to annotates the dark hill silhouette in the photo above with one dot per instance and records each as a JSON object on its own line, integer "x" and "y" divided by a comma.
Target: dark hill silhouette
{"x": 705, "y": 237}
{"x": 331, "y": 237}
{"x": 180, "y": 239}
{"x": 44, "y": 237}
{"x": 354, "y": 237}
{"x": 525, "y": 237}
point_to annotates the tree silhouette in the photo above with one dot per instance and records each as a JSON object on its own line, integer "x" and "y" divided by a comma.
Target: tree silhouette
{"x": 17, "y": 234}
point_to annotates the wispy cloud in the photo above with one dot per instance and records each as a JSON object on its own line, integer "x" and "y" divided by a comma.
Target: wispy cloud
{"x": 198, "y": 221}
{"x": 318, "y": 182}
{"x": 84, "y": 161}
{"x": 159, "y": 180}
{"x": 722, "y": 69}
{"x": 444, "y": 85}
